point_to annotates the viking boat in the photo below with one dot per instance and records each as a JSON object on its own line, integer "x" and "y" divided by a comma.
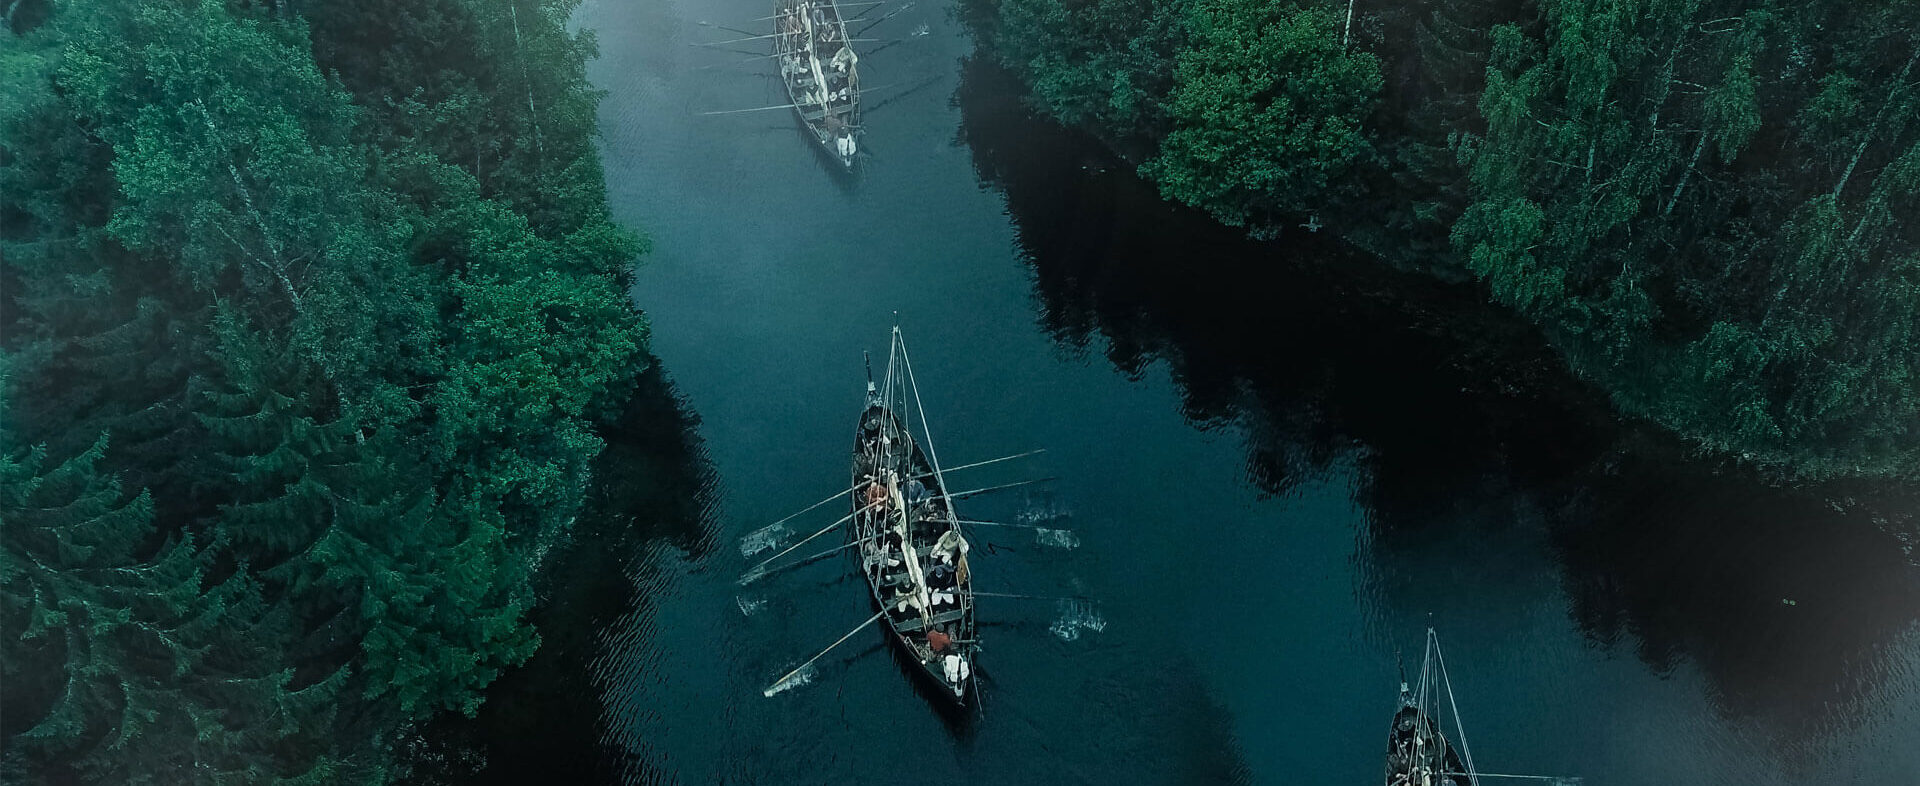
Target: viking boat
{"x": 1418, "y": 753}
{"x": 820, "y": 70}
{"x": 911, "y": 549}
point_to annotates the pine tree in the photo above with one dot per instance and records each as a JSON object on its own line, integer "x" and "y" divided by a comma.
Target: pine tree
{"x": 1265, "y": 112}
{"x": 127, "y": 660}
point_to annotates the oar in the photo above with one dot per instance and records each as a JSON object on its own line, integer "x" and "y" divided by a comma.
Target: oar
{"x": 738, "y": 40}
{"x": 1034, "y": 597}
{"x": 732, "y": 29}
{"x": 789, "y": 675}
{"x": 836, "y": 5}
{"x": 881, "y": 48}
{"x": 748, "y": 577}
{"x": 753, "y": 577}
{"x": 731, "y": 50}
{"x": 889, "y": 15}
{"x": 1064, "y": 539}
{"x": 1006, "y": 524}
{"x": 736, "y": 51}
{"x": 972, "y": 492}
{"x": 929, "y": 82}
{"x": 807, "y": 509}
{"x": 981, "y": 463}
{"x": 862, "y": 15}
{"x": 777, "y": 35}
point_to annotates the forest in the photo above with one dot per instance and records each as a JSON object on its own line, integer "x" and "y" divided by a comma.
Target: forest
{"x": 1706, "y": 206}
{"x": 310, "y": 313}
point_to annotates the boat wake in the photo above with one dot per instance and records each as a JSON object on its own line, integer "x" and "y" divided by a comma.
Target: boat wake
{"x": 1055, "y": 538}
{"x": 1042, "y": 509}
{"x": 763, "y": 538}
{"x": 1077, "y": 616}
{"x": 799, "y": 678}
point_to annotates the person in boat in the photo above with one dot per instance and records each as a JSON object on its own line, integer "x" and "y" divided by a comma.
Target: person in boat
{"x": 890, "y": 546}
{"x": 951, "y": 546}
{"x": 876, "y": 497}
{"x": 956, "y": 669}
{"x": 941, "y": 582}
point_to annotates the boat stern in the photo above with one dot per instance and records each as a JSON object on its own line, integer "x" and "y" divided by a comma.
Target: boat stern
{"x": 846, "y": 147}
{"x": 956, "y": 670}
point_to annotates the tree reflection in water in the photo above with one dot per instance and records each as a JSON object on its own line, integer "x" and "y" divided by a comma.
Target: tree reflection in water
{"x": 1796, "y": 609}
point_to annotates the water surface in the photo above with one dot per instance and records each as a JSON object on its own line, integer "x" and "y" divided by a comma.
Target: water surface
{"x": 1282, "y": 463}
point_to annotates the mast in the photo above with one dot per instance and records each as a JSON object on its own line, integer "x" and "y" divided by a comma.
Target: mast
{"x": 933, "y": 456}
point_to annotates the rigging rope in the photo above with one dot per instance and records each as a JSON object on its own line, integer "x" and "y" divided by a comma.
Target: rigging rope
{"x": 905, "y": 415}
{"x": 887, "y": 425}
{"x": 1466, "y": 752}
{"x": 1420, "y": 709}
{"x": 932, "y": 455}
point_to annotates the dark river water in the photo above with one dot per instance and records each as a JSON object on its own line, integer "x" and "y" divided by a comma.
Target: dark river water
{"x": 1282, "y": 464}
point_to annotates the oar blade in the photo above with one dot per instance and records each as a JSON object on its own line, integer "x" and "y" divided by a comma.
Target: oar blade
{"x": 788, "y": 681}
{"x": 1056, "y": 538}
{"x": 794, "y": 679}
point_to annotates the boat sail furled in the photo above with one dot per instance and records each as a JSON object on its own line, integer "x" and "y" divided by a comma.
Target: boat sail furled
{"x": 821, "y": 73}
{"x": 911, "y": 549}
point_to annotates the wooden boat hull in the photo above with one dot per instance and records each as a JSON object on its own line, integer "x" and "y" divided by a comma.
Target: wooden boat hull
{"x": 1418, "y": 754}
{"x": 821, "y": 74}
{"x": 884, "y": 562}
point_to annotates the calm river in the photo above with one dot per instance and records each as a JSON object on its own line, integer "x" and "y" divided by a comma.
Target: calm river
{"x": 1282, "y": 464}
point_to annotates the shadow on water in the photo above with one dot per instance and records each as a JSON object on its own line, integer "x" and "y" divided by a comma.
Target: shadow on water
{"x": 1468, "y": 434}
{"x": 1794, "y": 605}
{"x": 653, "y": 490}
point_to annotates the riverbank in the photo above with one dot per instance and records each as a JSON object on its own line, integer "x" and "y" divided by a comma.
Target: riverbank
{"x": 1276, "y": 481}
{"x": 1662, "y": 280}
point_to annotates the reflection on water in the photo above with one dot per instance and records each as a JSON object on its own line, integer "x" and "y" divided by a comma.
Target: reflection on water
{"x": 1475, "y": 452}
{"x": 652, "y": 500}
{"x": 1800, "y": 611}
{"x": 1301, "y": 462}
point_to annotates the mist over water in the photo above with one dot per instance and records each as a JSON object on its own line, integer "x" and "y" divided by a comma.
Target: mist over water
{"x": 1278, "y": 462}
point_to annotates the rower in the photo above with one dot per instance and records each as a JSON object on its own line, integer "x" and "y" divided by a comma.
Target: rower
{"x": 941, "y": 581}
{"x": 890, "y": 545}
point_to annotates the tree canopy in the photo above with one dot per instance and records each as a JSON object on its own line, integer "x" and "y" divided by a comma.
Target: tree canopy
{"x": 296, "y": 395}
{"x": 1707, "y": 205}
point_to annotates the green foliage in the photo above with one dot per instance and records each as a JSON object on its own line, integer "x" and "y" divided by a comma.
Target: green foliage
{"x": 1266, "y": 111}
{"x": 353, "y": 363}
{"x": 1248, "y": 109}
{"x": 126, "y": 661}
{"x": 1755, "y": 306}
{"x": 1102, "y": 63}
{"x": 1708, "y": 205}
